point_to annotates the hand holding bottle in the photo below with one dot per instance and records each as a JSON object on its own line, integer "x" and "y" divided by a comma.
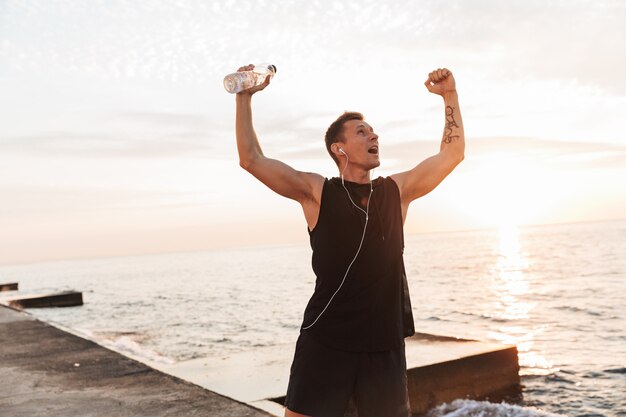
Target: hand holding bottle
{"x": 249, "y": 79}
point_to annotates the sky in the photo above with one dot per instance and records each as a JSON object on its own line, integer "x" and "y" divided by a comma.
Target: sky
{"x": 117, "y": 136}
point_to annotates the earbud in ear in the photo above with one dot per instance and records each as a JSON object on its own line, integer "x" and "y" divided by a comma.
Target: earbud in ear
{"x": 342, "y": 151}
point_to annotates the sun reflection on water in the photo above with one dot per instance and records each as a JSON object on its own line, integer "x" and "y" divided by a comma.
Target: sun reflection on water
{"x": 510, "y": 285}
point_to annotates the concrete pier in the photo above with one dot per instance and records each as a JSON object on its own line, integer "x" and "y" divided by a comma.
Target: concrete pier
{"x": 60, "y": 299}
{"x": 442, "y": 369}
{"x": 11, "y": 286}
{"x": 45, "y": 371}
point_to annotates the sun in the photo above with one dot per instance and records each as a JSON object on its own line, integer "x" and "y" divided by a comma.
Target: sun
{"x": 505, "y": 191}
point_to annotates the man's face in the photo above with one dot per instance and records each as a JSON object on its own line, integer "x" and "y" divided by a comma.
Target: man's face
{"x": 361, "y": 144}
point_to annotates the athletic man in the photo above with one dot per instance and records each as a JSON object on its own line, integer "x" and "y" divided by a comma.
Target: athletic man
{"x": 351, "y": 342}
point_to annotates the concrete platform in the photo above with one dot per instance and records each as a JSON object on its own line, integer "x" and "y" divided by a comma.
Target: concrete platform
{"x": 10, "y": 286}
{"x": 49, "y": 371}
{"x": 60, "y": 299}
{"x": 440, "y": 369}
{"x": 46, "y": 371}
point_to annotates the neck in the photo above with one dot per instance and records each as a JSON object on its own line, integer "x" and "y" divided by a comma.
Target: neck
{"x": 359, "y": 176}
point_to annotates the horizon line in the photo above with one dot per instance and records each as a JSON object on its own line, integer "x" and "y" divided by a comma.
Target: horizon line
{"x": 287, "y": 244}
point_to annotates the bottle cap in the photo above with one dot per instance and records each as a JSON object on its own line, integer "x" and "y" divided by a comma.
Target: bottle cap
{"x": 273, "y": 68}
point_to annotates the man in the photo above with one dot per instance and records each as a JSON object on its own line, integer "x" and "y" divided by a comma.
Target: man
{"x": 351, "y": 342}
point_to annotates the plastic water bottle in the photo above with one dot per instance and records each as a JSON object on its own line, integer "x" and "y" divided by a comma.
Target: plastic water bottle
{"x": 241, "y": 80}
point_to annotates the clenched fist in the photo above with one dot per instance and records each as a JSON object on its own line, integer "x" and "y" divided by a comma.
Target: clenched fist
{"x": 440, "y": 81}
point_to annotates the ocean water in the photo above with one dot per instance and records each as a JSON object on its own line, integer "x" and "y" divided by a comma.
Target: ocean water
{"x": 558, "y": 292}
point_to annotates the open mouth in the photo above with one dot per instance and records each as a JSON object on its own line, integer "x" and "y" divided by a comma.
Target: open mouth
{"x": 373, "y": 150}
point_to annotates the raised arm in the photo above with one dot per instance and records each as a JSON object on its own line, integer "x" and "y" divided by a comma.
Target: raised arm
{"x": 304, "y": 187}
{"x": 429, "y": 173}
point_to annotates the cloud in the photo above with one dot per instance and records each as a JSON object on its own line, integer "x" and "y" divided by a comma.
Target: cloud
{"x": 163, "y": 119}
{"x": 61, "y": 199}
{"x": 124, "y": 134}
{"x": 192, "y": 40}
{"x": 555, "y": 153}
{"x": 147, "y": 145}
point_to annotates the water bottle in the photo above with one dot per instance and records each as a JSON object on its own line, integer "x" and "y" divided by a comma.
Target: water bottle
{"x": 241, "y": 80}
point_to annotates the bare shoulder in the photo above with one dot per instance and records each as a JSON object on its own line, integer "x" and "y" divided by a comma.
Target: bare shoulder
{"x": 312, "y": 202}
{"x": 315, "y": 184}
{"x": 399, "y": 178}
{"x": 426, "y": 175}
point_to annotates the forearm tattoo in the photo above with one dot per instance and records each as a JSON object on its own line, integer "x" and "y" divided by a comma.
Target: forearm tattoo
{"x": 450, "y": 123}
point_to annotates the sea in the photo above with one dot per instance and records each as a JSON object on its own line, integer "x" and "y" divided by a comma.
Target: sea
{"x": 558, "y": 292}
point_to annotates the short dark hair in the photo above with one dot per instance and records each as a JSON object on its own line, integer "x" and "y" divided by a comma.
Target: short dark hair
{"x": 333, "y": 134}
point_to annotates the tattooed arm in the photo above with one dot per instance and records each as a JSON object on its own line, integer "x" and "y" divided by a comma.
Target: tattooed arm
{"x": 429, "y": 173}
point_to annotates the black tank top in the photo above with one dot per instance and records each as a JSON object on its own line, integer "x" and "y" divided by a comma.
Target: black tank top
{"x": 372, "y": 310}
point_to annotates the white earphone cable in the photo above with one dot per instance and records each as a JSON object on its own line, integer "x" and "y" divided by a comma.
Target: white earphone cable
{"x": 360, "y": 243}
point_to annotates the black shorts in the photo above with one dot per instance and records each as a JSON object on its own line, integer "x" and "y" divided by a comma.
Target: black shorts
{"x": 322, "y": 381}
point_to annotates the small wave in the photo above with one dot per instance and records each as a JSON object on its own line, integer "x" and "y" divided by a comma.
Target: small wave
{"x": 222, "y": 340}
{"x": 471, "y": 408}
{"x": 616, "y": 370}
{"x": 126, "y": 343}
{"x": 465, "y": 313}
{"x": 592, "y": 374}
{"x": 578, "y": 310}
{"x": 111, "y": 335}
{"x": 495, "y": 318}
{"x": 130, "y": 347}
{"x": 559, "y": 378}
{"x": 530, "y": 371}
